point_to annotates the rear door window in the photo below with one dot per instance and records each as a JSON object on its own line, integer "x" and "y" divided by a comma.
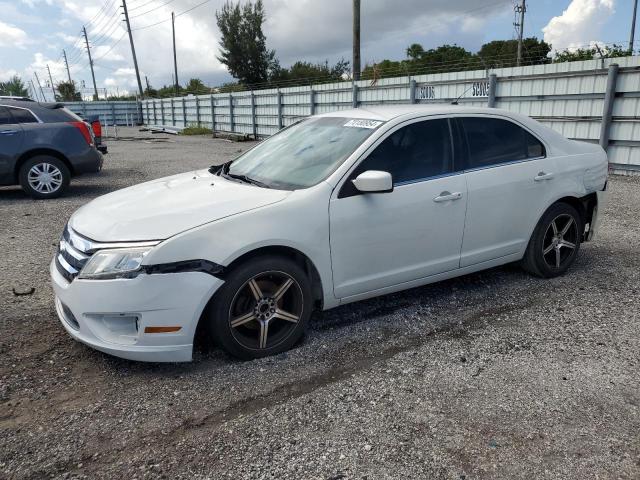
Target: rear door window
{"x": 493, "y": 141}
{"x": 20, "y": 115}
{"x": 5, "y": 116}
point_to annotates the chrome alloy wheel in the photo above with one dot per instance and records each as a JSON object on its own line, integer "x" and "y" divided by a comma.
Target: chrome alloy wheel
{"x": 560, "y": 240}
{"x": 266, "y": 310}
{"x": 44, "y": 178}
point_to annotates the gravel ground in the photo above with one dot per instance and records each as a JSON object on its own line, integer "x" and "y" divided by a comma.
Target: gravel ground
{"x": 492, "y": 375}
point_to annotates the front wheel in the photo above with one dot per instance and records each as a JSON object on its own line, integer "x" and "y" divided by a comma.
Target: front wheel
{"x": 44, "y": 177}
{"x": 555, "y": 242}
{"x": 262, "y": 309}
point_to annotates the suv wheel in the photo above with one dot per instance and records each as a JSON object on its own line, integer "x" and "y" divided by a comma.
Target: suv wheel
{"x": 555, "y": 242}
{"x": 44, "y": 177}
{"x": 262, "y": 309}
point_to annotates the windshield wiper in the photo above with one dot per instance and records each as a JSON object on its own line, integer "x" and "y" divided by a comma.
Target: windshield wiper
{"x": 218, "y": 169}
{"x": 245, "y": 179}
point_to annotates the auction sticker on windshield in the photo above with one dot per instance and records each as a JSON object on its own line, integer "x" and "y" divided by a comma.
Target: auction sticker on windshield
{"x": 363, "y": 123}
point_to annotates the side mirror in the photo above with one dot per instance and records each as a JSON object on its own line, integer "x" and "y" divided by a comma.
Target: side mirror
{"x": 374, "y": 181}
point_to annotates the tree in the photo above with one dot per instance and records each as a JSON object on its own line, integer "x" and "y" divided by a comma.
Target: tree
{"x": 196, "y": 87}
{"x": 243, "y": 47}
{"x": 302, "y": 73}
{"x": 504, "y": 53}
{"x": 169, "y": 91}
{"x": 150, "y": 92}
{"x": 420, "y": 61}
{"x": 415, "y": 51}
{"x": 67, "y": 92}
{"x": 577, "y": 54}
{"x": 14, "y": 86}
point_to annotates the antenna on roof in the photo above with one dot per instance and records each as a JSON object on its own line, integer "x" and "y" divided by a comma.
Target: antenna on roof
{"x": 455, "y": 102}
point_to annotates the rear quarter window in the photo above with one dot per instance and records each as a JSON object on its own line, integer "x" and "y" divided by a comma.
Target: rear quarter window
{"x": 72, "y": 116}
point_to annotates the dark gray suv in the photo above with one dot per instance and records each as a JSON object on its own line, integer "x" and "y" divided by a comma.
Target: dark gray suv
{"x": 42, "y": 145}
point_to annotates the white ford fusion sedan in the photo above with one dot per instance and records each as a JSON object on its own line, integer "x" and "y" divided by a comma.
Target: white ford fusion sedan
{"x": 336, "y": 208}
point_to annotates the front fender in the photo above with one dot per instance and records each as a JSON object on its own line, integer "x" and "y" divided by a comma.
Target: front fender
{"x": 301, "y": 222}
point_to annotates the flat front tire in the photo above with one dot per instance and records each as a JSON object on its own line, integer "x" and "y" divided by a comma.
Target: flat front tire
{"x": 262, "y": 309}
{"x": 44, "y": 177}
{"x": 555, "y": 242}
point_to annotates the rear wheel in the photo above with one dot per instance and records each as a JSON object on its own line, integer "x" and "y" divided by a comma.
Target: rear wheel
{"x": 555, "y": 242}
{"x": 44, "y": 177}
{"x": 262, "y": 309}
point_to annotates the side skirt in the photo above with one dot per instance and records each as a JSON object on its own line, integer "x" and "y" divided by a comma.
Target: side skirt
{"x": 434, "y": 278}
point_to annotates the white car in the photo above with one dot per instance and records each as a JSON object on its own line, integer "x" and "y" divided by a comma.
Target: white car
{"x": 336, "y": 208}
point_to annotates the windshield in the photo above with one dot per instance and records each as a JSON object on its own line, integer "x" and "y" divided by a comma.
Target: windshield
{"x": 305, "y": 153}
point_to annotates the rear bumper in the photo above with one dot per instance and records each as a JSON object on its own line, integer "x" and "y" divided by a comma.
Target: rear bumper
{"x": 596, "y": 219}
{"x": 88, "y": 162}
{"x": 113, "y": 315}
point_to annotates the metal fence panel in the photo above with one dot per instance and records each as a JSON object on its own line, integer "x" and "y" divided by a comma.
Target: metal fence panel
{"x": 110, "y": 113}
{"x": 568, "y": 97}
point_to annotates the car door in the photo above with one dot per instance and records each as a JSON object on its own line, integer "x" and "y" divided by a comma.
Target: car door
{"x": 11, "y": 138}
{"x": 384, "y": 239}
{"x": 509, "y": 180}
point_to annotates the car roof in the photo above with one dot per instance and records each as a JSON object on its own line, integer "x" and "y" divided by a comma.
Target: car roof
{"x": 390, "y": 112}
{"x": 45, "y": 112}
{"x": 30, "y": 104}
{"x": 13, "y": 97}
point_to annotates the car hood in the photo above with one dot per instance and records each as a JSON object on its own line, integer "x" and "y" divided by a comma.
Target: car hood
{"x": 162, "y": 208}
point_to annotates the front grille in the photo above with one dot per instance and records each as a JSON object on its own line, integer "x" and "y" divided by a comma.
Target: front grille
{"x": 72, "y": 254}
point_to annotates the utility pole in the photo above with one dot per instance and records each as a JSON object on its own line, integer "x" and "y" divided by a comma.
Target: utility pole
{"x": 133, "y": 50}
{"x": 93, "y": 75}
{"x": 53, "y": 89}
{"x": 32, "y": 91}
{"x": 356, "y": 39}
{"x": 633, "y": 27}
{"x": 66, "y": 63}
{"x": 146, "y": 79}
{"x": 175, "y": 61}
{"x": 520, "y": 9}
{"x": 44, "y": 99}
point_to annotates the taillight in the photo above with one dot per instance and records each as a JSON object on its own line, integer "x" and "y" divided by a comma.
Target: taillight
{"x": 84, "y": 129}
{"x": 97, "y": 128}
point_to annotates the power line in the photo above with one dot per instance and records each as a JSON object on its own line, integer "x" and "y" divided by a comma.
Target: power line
{"x": 140, "y": 6}
{"x": 177, "y": 15}
{"x": 101, "y": 11}
{"x": 112, "y": 47}
{"x": 112, "y": 20}
{"x": 153, "y": 9}
{"x": 107, "y": 35}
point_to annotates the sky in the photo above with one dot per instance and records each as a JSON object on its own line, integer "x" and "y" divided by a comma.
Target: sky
{"x": 33, "y": 33}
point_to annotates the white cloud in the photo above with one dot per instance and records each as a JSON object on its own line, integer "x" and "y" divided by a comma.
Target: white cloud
{"x": 309, "y": 30}
{"x": 316, "y": 30}
{"x": 66, "y": 38}
{"x": 579, "y": 25}
{"x": 6, "y": 75}
{"x": 125, "y": 72}
{"x": 11, "y": 36}
{"x": 39, "y": 65}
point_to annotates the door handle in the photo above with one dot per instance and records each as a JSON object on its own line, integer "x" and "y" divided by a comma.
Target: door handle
{"x": 8, "y": 132}
{"x": 543, "y": 176}
{"x": 446, "y": 197}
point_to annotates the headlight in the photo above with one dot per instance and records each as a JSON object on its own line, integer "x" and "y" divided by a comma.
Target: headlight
{"x": 114, "y": 263}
